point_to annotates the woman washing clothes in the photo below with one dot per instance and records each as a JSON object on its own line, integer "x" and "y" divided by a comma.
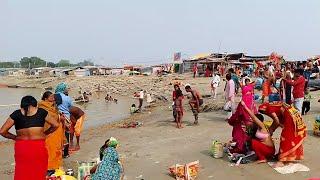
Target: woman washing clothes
{"x": 262, "y": 143}
{"x": 293, "y": 130}
{"x": 54, "y": 141}
{"x": 30, "y": 152}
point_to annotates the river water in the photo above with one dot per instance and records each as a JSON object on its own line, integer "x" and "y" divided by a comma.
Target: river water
{"x": 97, "y": 110}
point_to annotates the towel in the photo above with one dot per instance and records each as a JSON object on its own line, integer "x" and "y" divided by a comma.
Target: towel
{"x": 290, "y": 168}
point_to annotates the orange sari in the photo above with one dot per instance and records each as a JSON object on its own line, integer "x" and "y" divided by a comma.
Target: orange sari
{"x": 54, "y": 141}
{"x": 292, "y": 135}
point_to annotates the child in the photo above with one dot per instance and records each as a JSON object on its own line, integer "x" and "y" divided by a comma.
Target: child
{"x": 306, "y": 102}
{"x": 179, "y": 107}
{"x": 133, "y": 109}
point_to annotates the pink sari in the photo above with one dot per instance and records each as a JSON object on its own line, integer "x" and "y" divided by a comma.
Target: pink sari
{"x": 247, "y": 97}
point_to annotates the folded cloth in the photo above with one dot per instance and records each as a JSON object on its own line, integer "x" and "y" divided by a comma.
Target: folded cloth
{"x": 290, "y": 168}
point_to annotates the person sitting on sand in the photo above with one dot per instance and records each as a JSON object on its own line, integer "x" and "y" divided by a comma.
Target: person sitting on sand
{"x": 195, "y": 102}
{"x": 77, "y": 117}
{"x": 179, "y": 107}
{"x": 262, "y": 143}
{"x": 102, "y": 148}
{"x": 109, "y": 167}
{"x": 133, "y": 109}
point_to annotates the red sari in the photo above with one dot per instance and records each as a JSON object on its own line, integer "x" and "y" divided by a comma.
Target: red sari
{"x": 292, "y": 135}
{"x": 293, "y": 132}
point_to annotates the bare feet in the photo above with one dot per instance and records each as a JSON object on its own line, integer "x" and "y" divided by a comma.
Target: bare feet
{"x": 261, "y": 161}
{"x": 278, "y": 164}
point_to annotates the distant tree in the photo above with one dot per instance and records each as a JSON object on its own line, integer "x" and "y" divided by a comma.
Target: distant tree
{"x": 51, "y": 64}
{"x": 32, "y": 62}
{"x": 7, "y": 64}
{"x": 63, "y": 63}
{"x": 85, "y": 63}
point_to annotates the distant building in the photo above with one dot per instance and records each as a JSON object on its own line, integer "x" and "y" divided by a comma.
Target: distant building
{"x": 81, "y": 72}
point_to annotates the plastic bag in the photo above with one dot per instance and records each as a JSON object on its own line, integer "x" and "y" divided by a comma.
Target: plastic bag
{"x": 216, "y": 149}
{"x": 316, "y": 126}
{"x": 84, "y": 169}
{"x": 227, "y": 106}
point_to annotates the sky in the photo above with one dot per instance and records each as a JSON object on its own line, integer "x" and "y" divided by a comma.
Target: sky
{"x": 115, "y": 32}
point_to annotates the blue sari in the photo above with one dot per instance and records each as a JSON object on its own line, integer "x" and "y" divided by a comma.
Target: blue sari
{"x": 109, "y": 168}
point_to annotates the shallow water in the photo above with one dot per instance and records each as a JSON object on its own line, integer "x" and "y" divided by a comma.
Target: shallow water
{"x": 97, "y": 110}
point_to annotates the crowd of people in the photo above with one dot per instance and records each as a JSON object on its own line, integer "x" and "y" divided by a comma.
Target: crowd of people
{"x": 44, "y": 133}
{"x": 284, "y": 102}
{"x": 45, "y": 130}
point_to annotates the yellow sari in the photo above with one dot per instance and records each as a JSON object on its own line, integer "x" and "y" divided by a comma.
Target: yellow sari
{"x": 54, "y": 141}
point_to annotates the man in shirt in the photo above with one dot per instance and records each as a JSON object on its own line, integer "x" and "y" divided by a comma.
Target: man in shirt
{"x": 230, "y": 92}
{"x": 141, "y": 96}
{"x": 298, "y": 88}
{"x": 235, "y": 79}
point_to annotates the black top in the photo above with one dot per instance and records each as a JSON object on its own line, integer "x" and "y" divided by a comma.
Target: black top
{"x": 21, "y": 121}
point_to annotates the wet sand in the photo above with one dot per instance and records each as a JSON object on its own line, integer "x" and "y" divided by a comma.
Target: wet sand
{"x": 149, "y": 150}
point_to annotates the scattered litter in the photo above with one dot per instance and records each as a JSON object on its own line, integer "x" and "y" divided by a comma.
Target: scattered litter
{"x": 209, "y": 107}
{"x": 139, "y": 177}
{"x": 157, "y": 162}
{"x": 290, "y": 168}
{"x": 134, "y": 124}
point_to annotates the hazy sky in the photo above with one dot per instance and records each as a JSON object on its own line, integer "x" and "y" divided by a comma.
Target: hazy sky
{"x": 147, "y": 31}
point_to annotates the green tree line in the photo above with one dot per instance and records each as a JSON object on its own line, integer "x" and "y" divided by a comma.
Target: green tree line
{"x": 35, "y": 62}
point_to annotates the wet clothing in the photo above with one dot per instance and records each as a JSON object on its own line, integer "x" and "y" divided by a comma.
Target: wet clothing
{"x": 65, "y": 105}
{"x": 31, "y": 160}
{"x": 22, "y": 121}
{"x": 54, "y": 141}
{"x": 262, "y": 151}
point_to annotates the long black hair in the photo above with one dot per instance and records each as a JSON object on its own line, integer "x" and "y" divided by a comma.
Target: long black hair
{"x": 46, "y": 95}
{"x": 27, "y": 101}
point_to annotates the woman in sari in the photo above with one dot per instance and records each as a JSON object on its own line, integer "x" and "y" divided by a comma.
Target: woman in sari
{"x": 54, "y": 141}
{"x": 248, "y": 95}
{"x": 110, "y": 167}
{"x": 293, "y": 130}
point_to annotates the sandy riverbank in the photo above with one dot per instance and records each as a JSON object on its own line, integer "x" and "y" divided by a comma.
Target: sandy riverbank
{"x": 149, "y": 150}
